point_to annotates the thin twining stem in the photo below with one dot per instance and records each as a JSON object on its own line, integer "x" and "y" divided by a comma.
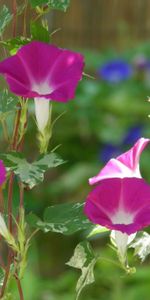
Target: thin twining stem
{"x": 1, "y": 200}
{"x": 19, "y": 288}
{"x": 10, "y": 198}
{"x": 6, "y": 274}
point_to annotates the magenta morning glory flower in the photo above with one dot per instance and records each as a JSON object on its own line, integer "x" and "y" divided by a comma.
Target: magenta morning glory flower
{"x": 120, "y": 204}
{"x": 123, "y": 206}
{"x": 44, "y": 72}
{"x": 125, "y": 165}
{"x": 2, "y": 173}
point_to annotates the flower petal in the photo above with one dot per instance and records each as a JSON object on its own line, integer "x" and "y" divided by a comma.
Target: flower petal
{"x": 42, "y": 70}
{"x": 120, "y": 204}
{"x": 125, "y": 165}
{"x": 131, "y": 158}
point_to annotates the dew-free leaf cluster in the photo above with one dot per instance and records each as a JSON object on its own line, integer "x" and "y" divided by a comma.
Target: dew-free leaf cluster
{"x": 30, "y": 173}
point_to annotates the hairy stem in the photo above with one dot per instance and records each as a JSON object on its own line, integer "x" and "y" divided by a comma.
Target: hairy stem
{"x": 5, "y": 131}
{"x": 15, "y": 134}
{"x": 10, "y": 198}
{"x": 21, "y": 188}
{"x": 19, "y": 288}
{"x": 1, "y": 200}
{"x": 10, "y": 186}
{"x": 6, "y": 275}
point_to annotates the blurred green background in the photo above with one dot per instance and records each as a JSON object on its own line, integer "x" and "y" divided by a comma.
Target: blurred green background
{"x": 106, "y": 118}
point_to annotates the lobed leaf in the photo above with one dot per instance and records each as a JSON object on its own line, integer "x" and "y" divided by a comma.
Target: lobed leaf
{"x": 39, "y": 33}
{"x": 65, "y": 218}
{"x": 83, "y": 259}
{"x": 54, "y": 4}
{"x": 14, "y": 44}
{"x": 142, "y": 245}
{"x": 8, "y": 102}
{"x": 30, "y": 173}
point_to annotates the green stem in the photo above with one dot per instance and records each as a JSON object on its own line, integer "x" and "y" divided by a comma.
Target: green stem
{"x": 6, "y": 275}
{"x": 5, "y": 131}
{"x": 19, "y": 288}
{"x": 10, "y": 197}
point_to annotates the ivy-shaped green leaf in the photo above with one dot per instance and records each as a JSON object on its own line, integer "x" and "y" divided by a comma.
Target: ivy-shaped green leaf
{"x": 54, "y": 4}
{"x": 65, "y": 218}
{"x": 14, "y": 44}
{"x": 141, "y": 245}
{"x": 8, "y": 103}
{"x": 5, "y": 18}
{"x": 83, "y": 259}
{"x": 39, "y": 33}
{"x": 30, "y": 173}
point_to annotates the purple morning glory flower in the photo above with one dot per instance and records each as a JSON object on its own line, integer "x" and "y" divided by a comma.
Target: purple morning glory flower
{"x": 44, "y": 72}
{"x": 115, "y": 71}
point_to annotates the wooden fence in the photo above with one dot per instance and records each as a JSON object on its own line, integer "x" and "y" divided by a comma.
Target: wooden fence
{"x": 100, "y": 23}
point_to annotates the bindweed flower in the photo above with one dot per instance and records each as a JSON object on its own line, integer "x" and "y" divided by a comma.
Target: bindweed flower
{"x": 120, "y": 204}
{"x": 125, "y": 165}
{"x": 115, "y": 71}
{"x": 2, "y": 173}
{"x": 43, "y": 72}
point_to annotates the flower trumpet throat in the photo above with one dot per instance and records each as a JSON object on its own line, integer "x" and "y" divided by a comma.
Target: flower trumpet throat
{"x": 44, "y": 126}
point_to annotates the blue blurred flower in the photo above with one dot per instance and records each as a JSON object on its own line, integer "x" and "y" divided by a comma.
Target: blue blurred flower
{"x": 109, "y": 150}
{"x": 115, "y": 71}
{"x": 133, "y": 134}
